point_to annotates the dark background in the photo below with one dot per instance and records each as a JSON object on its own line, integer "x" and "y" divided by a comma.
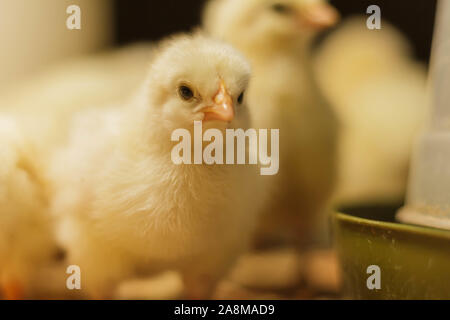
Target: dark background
{"x": 152, "y": 20}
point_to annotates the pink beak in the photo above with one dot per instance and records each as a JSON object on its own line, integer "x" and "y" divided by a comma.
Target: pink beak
{"x": 223, "y": 108}
{"x": 319, "y": 16}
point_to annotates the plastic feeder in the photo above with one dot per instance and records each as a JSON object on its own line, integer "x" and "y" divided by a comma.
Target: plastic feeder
{"x": 428, "y": 200}
{"x": 413, "y": 258}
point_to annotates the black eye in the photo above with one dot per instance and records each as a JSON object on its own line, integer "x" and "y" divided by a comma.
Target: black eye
{"x": 185, "y": 93}
{"x": 281, "y": 8}
{"x": 241, "y": 98}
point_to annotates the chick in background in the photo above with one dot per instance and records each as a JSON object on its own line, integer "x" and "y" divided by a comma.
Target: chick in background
{"x": 44, "y": 104}
{"x": 27, "y": 244}
{"x": 276, "y": 36}
{"x": 379, "y": 93}
{"x": 125, "y": 208}
{"x": 80, "y": 83}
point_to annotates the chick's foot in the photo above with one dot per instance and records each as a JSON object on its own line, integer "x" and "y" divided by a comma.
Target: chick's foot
{"x": 12, "y": 289}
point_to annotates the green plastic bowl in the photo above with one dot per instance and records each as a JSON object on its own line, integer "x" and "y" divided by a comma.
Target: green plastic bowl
{"x": 414, "y": 261}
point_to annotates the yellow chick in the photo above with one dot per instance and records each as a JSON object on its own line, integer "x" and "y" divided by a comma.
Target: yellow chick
{"x": 26, "y": 239}
{"x": 80, "y": 83}
{"x": 126, "y": 208}
{"x": 276, "y": 36}
{"x": 379, "y": 94}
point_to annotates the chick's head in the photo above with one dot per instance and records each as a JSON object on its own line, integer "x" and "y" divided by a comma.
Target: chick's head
{"x": 268, "y": 21}
{"x": 194, "y": 78}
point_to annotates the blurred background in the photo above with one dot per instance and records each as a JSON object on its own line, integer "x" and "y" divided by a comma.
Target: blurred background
{"x": 150, "y": 20}
{"x": 35, "y": 38}
{"x": 33, "y": 33}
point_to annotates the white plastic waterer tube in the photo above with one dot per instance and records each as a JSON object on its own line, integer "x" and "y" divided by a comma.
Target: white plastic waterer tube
{"x": 428, "y": 201}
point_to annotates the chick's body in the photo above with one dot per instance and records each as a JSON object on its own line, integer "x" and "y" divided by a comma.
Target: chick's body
{"x": 26, "y": 241}
{"x": 284, "y": 95}
{"x": 80, "y": 83}
{"x": 379, "y": 94}
{"x": 126, "y": 208}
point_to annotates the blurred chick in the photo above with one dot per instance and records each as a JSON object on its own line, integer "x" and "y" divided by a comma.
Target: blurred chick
{"x": 379, "y": 94}
{"x": 80, "y": 83}
{"x": 126, "y": 208}
{"x": 276, "y": 36}
{"x": 26, "y": 241}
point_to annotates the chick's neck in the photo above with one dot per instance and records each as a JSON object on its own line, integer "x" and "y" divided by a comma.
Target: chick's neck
{"x": 263, "y": 52}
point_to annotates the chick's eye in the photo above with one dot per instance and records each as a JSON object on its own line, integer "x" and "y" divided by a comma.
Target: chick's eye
{"x": 241, "y": 98}
{"x": 185, "y": 93}
{"x": 281, "y": 8}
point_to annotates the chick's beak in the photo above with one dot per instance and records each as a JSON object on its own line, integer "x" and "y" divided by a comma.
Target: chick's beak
{"x": 318, "y": 16}
{"x": 223, "y": 108}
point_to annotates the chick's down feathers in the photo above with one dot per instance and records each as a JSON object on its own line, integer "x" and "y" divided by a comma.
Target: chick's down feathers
{"x": 379, "y": 94}
{"x": 276, "y": 36}
{"x": 26, "y": 240}
{"x": 125, "y": 208}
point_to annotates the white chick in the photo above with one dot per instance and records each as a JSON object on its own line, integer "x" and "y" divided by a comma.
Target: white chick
{"x": 276, "y": 36}
{"x": 126, "y": 208}
{"x": 26, "y": 240}
{"x": 379, "y": 94}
